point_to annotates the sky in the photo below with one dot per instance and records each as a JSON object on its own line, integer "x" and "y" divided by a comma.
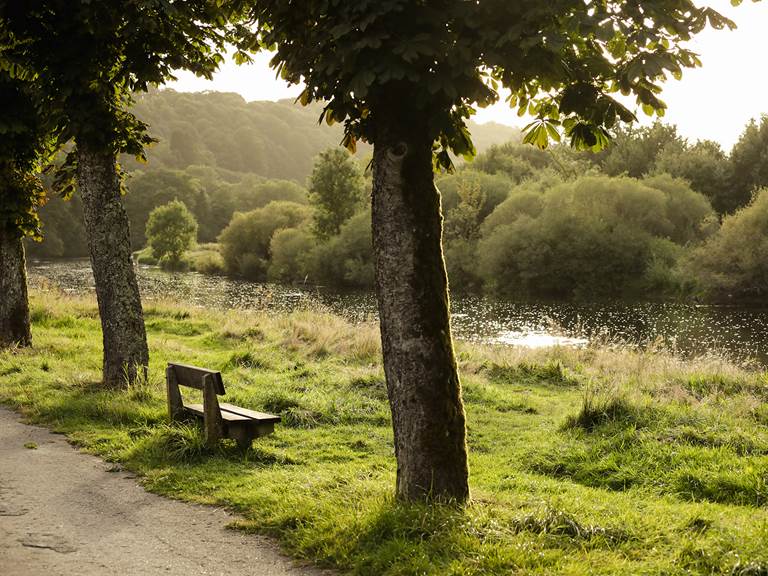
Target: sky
{"x": 712, "y": 102}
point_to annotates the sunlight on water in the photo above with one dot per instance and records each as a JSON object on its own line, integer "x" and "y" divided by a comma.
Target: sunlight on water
{"x": 739, "y": 333}
{"x": 538, "y": 339}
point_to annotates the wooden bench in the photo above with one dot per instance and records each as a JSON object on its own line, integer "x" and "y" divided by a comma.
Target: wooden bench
{"x": 219, "y": 420}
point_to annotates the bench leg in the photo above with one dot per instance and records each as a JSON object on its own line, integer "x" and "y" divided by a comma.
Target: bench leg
{"x": 243, "y": 435}
{"x": 214, "y": 426}
{"x": 175, "y": 403}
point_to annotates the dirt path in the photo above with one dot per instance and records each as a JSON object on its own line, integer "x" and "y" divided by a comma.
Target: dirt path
{"x": 65, "y": 513}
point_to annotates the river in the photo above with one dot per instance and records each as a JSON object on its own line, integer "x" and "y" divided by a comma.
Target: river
{"x": 736, "y": 332}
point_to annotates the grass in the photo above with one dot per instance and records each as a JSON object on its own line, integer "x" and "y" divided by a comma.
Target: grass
{"x": 589, "y": 461}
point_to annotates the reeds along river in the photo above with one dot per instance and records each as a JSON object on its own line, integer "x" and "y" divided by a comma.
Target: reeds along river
{"x": 736, "y": 332}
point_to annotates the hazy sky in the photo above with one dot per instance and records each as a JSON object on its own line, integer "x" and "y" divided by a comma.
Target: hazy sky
{"x": 713, "y": 102}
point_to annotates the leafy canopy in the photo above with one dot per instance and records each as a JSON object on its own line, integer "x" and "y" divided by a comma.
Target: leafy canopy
{"x": 89, "y": 57}
{"x": 25, "y": 143}
{"x": 563, "y": 60}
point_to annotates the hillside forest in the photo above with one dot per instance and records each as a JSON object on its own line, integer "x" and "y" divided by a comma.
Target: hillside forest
{"x": 259, "y": 190}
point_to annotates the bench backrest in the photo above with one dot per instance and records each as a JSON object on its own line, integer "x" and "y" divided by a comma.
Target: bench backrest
{"x": 194, "y": 377}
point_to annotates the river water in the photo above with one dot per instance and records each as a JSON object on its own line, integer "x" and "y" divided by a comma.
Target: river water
{"x": 736, "y": 332}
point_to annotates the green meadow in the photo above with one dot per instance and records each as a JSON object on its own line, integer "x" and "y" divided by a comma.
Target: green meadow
{"x": 599, "y": 460}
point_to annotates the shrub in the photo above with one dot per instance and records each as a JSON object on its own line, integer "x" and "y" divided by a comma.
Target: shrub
{"x": 206, "y": 261}
{"x": 595, "y": 236}
{"x": 245, "y": 242}
{"x": 732, "y": 263}
{"x": 262, "y": 193}
{"x": 461, "y": 264}
{"x": 290, "y": 249}
{"x": 689, "y": 214}
{"x": 173, "y": 264}
{"x": 145, "y": 257}
{"x": 171, "y": 230}
{"x": 346, "y": 259}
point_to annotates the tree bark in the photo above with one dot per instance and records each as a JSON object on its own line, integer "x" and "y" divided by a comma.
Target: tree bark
{"x": 412, "y": 291}
{"x": 14, "y": 301}
{"x": 106, "y": 225}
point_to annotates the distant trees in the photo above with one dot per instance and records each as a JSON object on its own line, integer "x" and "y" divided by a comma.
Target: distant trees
{"x": 706, "y": 167}
{"x": 276, "y": 140}
{"x": 462, "y": 223}
{"x": 210, "y": 194}
{"x": 336, "y": 191}
{"x": 213, "y": 194}
{"x": 633, "y": 151}
{"x": 494, "y": 187}
{"x": 749, "y": 160}
{"x": 514, "y": 160}
{"x": 171, "y": 230}
{"x": 727, "y": 181}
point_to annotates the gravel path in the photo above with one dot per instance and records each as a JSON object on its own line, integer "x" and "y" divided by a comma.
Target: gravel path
{"x": 65, "y": 513}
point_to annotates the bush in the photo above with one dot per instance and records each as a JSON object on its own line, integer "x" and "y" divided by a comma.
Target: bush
{"x": 171, "y": 230}
{"x": 461, "y": 264}
{"x": 733, "y": 263}
{"x": 347, "y": 259}
{"x": 290, "y": 250}
{"x": 206, "y": 259}
{"x": 262, "y": 193}
{"x": 145, "y": 257}
{"x": 173, "y": 264}
{"x": 245, "y": 242}
{"x": 689, "y": 214}
{"x": 493, "y": 187}
{"x": 516, "y": 161}
{"x": 595, "y": 236}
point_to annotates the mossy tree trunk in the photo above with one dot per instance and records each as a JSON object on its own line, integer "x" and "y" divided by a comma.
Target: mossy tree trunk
{"x": 412, "y": 292}
{"x": 14, "y": 301}
{"x": 106, "y": 224}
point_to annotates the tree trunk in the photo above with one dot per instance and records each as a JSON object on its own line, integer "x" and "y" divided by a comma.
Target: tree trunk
{"x": 14, "y": 302}
{"x": 412, "y": 292}
{"x": 106, "y": 226}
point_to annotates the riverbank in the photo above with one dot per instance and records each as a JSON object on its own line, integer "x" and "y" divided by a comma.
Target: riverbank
{"x": 593, "y": 460}
{"x": 734, "y": 332}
